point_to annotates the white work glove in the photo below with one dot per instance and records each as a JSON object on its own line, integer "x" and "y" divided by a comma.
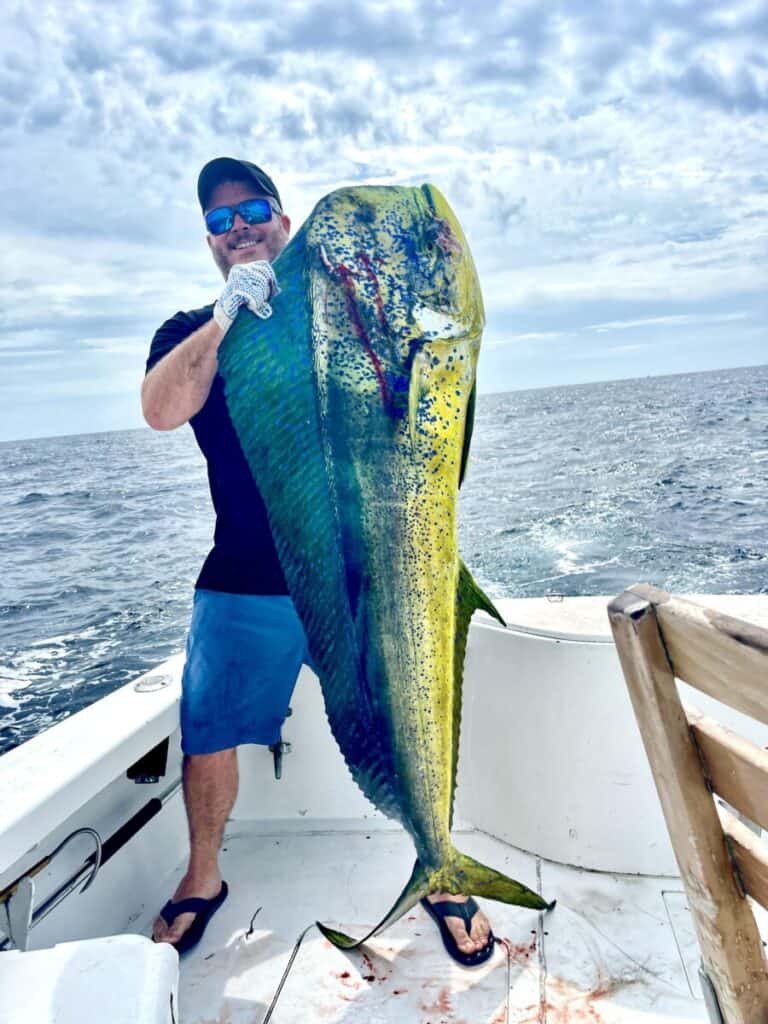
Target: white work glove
{"x": 248, "y": 284}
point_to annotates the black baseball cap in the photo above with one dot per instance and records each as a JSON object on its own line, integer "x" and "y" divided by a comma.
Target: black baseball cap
{"x": 225, "y": 168}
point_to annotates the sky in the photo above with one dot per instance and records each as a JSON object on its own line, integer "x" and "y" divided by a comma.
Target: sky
{"x": 607, "y": 160}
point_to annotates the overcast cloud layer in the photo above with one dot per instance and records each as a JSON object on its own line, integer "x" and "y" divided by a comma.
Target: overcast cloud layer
{"x": 607, "y": 161}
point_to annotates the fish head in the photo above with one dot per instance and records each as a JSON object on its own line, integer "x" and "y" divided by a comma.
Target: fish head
{"x": 395, "y": 290}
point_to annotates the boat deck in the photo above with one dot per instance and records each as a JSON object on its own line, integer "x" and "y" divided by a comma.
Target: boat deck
{"x": 616, "y": 948}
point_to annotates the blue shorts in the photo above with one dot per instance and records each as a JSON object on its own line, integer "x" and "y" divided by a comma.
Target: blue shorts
{"x": 244, "y": 653}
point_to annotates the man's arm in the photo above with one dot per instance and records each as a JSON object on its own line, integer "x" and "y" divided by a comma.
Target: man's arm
{"x": 177, "y": 387}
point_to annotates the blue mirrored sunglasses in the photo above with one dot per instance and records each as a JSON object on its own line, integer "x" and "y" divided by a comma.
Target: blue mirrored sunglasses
{"x": 253, "y": 211}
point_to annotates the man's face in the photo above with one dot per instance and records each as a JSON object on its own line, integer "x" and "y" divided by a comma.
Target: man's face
{"x": 244, "y": 243}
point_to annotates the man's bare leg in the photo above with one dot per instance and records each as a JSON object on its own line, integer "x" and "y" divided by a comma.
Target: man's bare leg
{"x": 210, "y": 788}
{"x": 480, "y": 930}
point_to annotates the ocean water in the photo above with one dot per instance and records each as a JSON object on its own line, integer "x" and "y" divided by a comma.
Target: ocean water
{"x": 571, "y": 490}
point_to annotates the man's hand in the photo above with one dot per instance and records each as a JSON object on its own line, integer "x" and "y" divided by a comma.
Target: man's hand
{"x": 248, "y": 284}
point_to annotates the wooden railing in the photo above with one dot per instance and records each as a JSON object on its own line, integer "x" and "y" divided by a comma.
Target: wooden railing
{"x": 661, "y": 638}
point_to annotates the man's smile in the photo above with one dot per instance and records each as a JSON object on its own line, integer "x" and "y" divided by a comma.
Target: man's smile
{"x": 247, "y": 243}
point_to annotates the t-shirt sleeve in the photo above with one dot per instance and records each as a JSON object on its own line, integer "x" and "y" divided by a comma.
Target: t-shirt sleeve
{"x": 174, "y": 331}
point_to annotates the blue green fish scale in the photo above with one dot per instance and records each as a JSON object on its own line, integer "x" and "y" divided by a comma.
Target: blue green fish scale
{"x": 267, "y": 367}
{"x": 319, "y": 396}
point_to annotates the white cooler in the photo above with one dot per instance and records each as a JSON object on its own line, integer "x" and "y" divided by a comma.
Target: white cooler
{"x": 122, "y": 979}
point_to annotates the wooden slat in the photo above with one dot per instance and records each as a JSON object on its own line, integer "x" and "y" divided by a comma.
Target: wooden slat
{"x": 737, "y": 769}
{"x": 726, "y": 929}
{"x": 724, "y": 657}
{"x": 750, "y": 855}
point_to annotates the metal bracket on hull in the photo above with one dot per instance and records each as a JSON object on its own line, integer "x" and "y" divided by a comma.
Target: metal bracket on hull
{"x": 18, "y": 898}
{"x": 280, "y": 748}
{"x": 18, "y": 913}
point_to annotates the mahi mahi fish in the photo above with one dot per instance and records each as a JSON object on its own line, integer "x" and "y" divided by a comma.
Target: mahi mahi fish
{"x": 354, "y": 406}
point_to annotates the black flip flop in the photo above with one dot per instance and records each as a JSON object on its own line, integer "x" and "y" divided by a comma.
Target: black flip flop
{"x": 204, "y": 909}
{"x": 466, "y": 911}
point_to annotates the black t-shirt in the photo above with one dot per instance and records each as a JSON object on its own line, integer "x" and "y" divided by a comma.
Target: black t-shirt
{"x": 243, "y": 559}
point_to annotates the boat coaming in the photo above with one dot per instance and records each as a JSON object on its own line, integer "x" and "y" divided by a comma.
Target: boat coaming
{"x": 353, "y": 405}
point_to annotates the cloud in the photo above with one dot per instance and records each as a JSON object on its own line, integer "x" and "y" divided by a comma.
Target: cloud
{"x": 363, "y": 29}
{"x": 678, "y": 320}
{"x": 604, "y": 159}
{"x": 739, "y": 91}
{"x": 620, "y": 350}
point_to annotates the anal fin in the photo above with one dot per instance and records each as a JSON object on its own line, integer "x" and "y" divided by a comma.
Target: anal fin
{"x": 471, "y": 598}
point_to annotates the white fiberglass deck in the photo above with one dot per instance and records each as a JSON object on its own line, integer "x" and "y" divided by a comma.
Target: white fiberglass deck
{"x": 551, "y": 761}
{"x": 615, "y": 949}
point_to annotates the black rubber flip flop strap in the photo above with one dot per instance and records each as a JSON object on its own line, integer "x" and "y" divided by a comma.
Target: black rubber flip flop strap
{"x": 193, "y": 905}
{"x": 446, "y": 908}
{"x": 464, "y": 911}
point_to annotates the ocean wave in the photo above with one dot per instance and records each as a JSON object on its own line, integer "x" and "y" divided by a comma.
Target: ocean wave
{"x": 581, "y": 490}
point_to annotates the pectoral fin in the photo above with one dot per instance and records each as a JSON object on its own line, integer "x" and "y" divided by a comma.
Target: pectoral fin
{"x": 469, "y": 425}
{"x": 415, "y": 391}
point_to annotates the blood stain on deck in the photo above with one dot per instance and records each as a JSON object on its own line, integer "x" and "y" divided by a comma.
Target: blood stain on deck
{"x": 348, "y": 982}
{"x": 565, "y": 1004}
{"x": 520, "y": 952}
{"x": 372, "y": 974}
{"x": 441, "y": 1005}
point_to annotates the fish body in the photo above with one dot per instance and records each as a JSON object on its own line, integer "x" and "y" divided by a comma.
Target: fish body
{"x": 353, "y": 405}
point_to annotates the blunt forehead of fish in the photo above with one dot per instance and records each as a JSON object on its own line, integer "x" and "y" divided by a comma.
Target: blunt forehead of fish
{"x": 403, "y": 284}
{"x": 393, "y": 248}
{"x": 371, "y": 223}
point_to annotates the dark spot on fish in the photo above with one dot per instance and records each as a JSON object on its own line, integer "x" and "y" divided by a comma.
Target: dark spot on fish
{"x": 365, "y": 214}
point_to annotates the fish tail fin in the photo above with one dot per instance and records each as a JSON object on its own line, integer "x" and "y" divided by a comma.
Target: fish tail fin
{"x": 473, "y": 878}
{"x": 464, "y": 875}
{"x": 418, "y": 886}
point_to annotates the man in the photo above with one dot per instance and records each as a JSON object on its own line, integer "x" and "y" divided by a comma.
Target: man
{"x": 246, "y": 644}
